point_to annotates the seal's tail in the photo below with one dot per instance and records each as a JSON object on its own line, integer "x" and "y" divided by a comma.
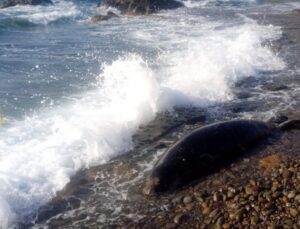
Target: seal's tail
{"x": 289, "y": 125}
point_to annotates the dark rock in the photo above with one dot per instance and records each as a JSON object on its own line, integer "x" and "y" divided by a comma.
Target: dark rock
{"x": 276, "y": 87}
{"x": 57, "y": 206}
{"x": 10, "y": 3}
{"x": 244, "y": 107}
{"x": 141, "y": 6}
{"x": 195, "y": 120}
{"x": 106, "y": 17}
{"x": 160, "y": 145}
{"x": 278, "y": 118}
{"x": 243, "y": 95}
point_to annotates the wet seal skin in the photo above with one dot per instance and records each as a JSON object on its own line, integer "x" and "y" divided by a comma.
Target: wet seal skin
{"x": 206, "y": 150}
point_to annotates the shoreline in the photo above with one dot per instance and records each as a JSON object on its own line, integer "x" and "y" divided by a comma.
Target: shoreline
{"x": 225, "y": 199}
{"x": 196, "y": 205}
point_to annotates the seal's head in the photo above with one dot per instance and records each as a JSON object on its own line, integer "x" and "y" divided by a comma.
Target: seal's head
{"x": 161, "y": 180}
{"x": 151, "y": 186}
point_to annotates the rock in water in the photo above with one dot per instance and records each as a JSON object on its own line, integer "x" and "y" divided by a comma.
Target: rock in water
{"x": 207, "y": 149}
{"x": 141, "y": 6}
{"x": 106, "y": 17}
{"x": 10, "y": 3}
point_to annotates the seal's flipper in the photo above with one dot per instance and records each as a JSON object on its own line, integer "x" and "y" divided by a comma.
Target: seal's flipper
{"x": 289, "y": 125}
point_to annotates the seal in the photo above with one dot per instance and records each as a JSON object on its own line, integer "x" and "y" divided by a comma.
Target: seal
{"x": 207, "y": 149}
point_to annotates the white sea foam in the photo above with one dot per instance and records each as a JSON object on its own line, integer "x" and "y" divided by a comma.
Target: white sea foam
{"x": 6, "y": 216}
{"x": 40, "y": 153}
{"x": 204, "y": 70}
{"x": 193, "y": 3}
{"x": 43, "y": 14}
{"x": 284, "y": 6}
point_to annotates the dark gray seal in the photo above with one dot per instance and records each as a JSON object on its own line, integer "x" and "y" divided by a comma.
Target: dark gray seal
{"x": 206, "y": 149}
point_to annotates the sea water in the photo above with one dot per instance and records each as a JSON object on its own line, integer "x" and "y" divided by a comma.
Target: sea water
{"x": 74, "y": 93}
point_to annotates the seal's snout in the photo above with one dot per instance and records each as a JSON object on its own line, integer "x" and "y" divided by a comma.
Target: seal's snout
{"x": 150, "y": 186}
{"x": 147, "y": 190}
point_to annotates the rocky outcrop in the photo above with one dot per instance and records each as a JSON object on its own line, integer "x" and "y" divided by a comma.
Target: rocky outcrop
{"x": 141, "y": 6}
{"x": 99, "y": 18}
{"x": 10, "y": 3}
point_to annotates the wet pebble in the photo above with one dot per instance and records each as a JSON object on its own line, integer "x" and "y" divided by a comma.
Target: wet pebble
{"x": 293, "y": 212}
{"x": 217, "y": 197}
{"x": 190, "y": 206}
{"x": 170, "y": 226}
{"x": 254, "y": 220}
{"x": 205, "y": 208}
{"x": 176, "y": 200}
{"x": 286, "y": 175}
{"x": 291, "y": 194}
{"x": 179, "y": 218}
{"x": 297, "y": 198}
{"x": 226, "y": 225}
{"x": 213, "y": 213}
{"x": 187, "y": 199}
{"x": 220, "y": 222}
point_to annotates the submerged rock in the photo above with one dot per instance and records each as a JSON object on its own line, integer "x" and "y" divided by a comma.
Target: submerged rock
{"x": 296, "y": 12}
{"x": 98, "y": 18}
{"x": 10, "y": 3}
{"x": 141, "y": 6}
